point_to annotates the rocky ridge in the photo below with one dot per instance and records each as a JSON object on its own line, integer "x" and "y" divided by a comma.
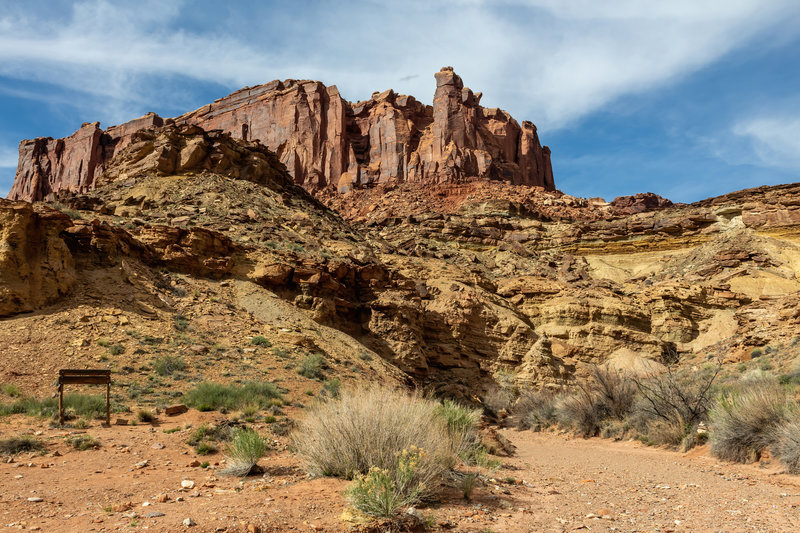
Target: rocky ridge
{"x": 454, "y": 286}
{"x": 325, "y": 142}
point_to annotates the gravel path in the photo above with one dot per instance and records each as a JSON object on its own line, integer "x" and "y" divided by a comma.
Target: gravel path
{"x": 602, "y": 485}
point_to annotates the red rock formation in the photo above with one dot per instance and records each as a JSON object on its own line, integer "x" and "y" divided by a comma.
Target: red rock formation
{"x": 324, "y": 141}
{"x": 48, "y": 165}
{"x": 639, "y": 203}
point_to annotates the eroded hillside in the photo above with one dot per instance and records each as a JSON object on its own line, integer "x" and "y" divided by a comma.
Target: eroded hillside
{"x": 452, "y": 286}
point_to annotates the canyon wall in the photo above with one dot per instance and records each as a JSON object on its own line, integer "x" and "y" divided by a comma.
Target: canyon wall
{"x": 325, "y": 142}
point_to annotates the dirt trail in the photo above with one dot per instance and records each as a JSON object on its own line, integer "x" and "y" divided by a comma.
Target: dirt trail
{"x": 602, "y": 485}
{"x": 133, "y": 483}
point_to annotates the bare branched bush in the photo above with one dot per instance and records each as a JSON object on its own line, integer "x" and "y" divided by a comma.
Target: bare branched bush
{"x": 535, "y": 409}
{"x": 606, "y": 395}
{"x": 615, "y": 392}
{"x": 744, "y": 421}
{"x": 672, "y": 404}
{"x": 580, "y": 413}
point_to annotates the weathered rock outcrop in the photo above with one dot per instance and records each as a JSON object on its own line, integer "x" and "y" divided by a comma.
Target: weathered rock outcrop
{"x": 48, "y": 165}
{"x": 36, "y": 266}
{"x": 327, "y": 143}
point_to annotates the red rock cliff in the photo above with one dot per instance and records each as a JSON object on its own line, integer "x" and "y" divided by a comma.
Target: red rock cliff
{"x": 324, "y": 141}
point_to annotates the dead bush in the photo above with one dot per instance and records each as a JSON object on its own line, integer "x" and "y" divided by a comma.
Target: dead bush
{"x": 606, "y": 395}
{"x": 579, "y": 413}
{"x": 669, "y": 406}
{"x": 535, "y": 409}
{"x": 744, "y": 421}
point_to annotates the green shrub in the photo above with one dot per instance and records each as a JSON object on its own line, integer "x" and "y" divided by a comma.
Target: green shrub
{"x": 180, "y": 322}
{"x": 462, "y": 426}
{"x": 382, "y": 492}
{"x": 467, "y": 485}
{"x": 16, "y": 445}
{"x": 260, "y": 340}
{"x": 168, "y": 365}
{"x": 205, "y": 448}
{"x": 331, "y": 388}
{"x": 10, "y": 390}
{"x": 116, "y": 349}
{"x": 479, "y": 456}
{"x": 83, "y": 442}
{"x": 243, "y": 453}
{"x": 208, "y": 396}
{"x": 744, "y": 421}
{"x": 312, "y": 366}
{"x": 146, "y": 416}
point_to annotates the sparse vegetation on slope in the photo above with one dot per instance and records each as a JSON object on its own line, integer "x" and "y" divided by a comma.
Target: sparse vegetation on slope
{"x": 216, "y": 396}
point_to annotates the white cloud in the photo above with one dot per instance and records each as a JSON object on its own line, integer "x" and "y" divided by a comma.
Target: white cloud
{"x": 551, "y": 61}
{"x": 776, "y": 141}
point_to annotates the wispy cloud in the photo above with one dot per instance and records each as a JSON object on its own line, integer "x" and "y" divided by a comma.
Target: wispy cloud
{"x": 775, "y": 140}
{"x": 552, "y": 61}
{"x": 8, "y": 157}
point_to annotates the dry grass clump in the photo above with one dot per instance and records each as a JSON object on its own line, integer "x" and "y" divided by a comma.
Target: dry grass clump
{"x": 396, "y": 446}
{"x": 23, "y": 443}
{"x": 745, "y": 420}
{"x": 786, "y": 447}
{"x": 366, "y": 428}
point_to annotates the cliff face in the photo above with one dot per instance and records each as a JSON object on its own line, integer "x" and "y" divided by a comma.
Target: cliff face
{"x": 48, "y": 165}
{"x": 326, "y": 142}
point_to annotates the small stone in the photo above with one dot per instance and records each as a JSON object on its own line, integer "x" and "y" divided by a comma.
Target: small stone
{"x": 154, "y": 514}
{"x": 158, "y": 446}
{"x": 195, "y": 463}
{"x": 132, "y": 514}
{"x": 35, "y": 499}
{"x": 162, "y": 498}
{"x": 177, "y": 409}
{"x": 187, "y": 484}
{"x": 145, "y": 504}
{"x": 140, "y": 464}
{"x": 412, "y": 511}
{"x": 188, "y": 522}
{"x": 122, "y": 507}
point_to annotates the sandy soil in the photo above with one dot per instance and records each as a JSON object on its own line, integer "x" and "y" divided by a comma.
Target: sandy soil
{"x": 552, "y": 484}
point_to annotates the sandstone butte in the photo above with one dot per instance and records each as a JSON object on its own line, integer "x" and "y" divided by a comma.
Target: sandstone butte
{"x": 326, "y": 142}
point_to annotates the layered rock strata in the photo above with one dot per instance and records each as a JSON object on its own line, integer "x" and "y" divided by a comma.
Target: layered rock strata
{"x": 325, "y": 142}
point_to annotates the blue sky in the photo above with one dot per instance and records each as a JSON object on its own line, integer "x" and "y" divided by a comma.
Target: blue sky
{"x": 687, "y": 98}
